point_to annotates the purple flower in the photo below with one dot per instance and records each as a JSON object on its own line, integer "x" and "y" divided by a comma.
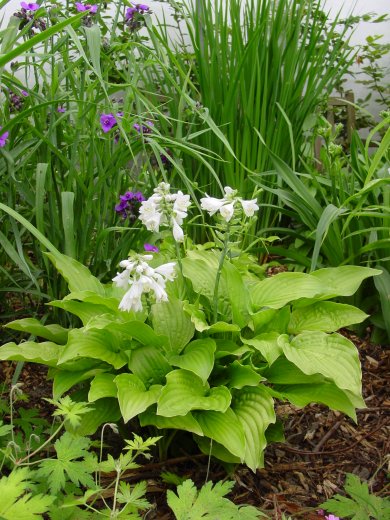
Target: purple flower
{"x": 144, "y": 129}
{"x": 331, "y": 517}
{"x": 29, "y": 6}
{"x": 87, "y": 7}
{"x": 24, "y": 93}
{"x": 3, "y": 138}
{"x": 61, "y": 109}
{"x": 130, "y": 12}
{"x": 142, "y": 7}
{"x": 151, "y": 248}
{"x": 129, "y": 205}
{"x": 107, "y": 121}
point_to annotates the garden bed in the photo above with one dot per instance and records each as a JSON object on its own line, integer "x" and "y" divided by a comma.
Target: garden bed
{"x": 321, "y": 447}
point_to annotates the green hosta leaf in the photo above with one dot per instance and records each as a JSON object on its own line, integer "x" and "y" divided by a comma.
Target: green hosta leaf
{"x": 238, "y": 376}
{"x": 344, "y": 280}
{"x": 170, "y": 320}
{"x": 16, "y": 502}
{"x": 209, "y": 503}
{"x": 95, "y": 344}
{"x": 225, "y": 428}
{"x": 149, "y": 364}
{"x": 362, "y": 504}
{"x": 78, "y": 277}
{"x": 277, "y": 291}
{"x": 98, "y": 299}
{"x": 269, "y": 344}
{"x": 66, "y": 465}
{"x": 63, "y": 380}
{"x": 133, "y": 329}
{"x": 133, "y": 397}
{"x": 333, "y": 356}
{"x": 285, "y": 372}
{"x": 104, "y": 410}
{"x": 198, "y": 318}
{"x": 325, "y": 393}
{"x": 185, "y": 391}
{"x": 54, "y": 333}
{"x": 226, "y": 347}
{"x": 217, "y": 450}
{"x": 84, "y": 310}
{"x": 271, "y": 320}
{"x": 102, "y": 385}
{"x": 185, "y": 422}
{"x": 254, "y": 408}
{"x": 46, "y": 353}
{"x": 198, "y": 357}
{"x": 324, "y": 316}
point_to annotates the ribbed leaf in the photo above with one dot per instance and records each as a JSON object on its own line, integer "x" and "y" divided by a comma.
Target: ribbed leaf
{"x": 325, "y": 393}
{"x": 133, "y": 396}
{"x": 170, "y": 320}
{"x": 324, "y": 316}
{"x": 103, "y": 411}
{"x": 225, "y": 428}
{"x": 333, "y": 356}
{"x": 53, "y": 332}
{"x": 344, "y": 280}
{"x": 149, "y": 365}
{"x": 239, "y": 375}
{"x": 198, "y": 357}
{"x": 186, "y": 422}
{"x": 46, "y": 353}
{"x": 133, "y": 329}
{"x": 268, "y": 344}
{"x": 63, "y": 380}
{"x": 285, "y": 372}
{"x": 85, "y": 311}
{"x": 185, "y": 391}
{"x": 254, "y": 408}
{"x": 102, "y": 385}
{"x": 95, "y": 344}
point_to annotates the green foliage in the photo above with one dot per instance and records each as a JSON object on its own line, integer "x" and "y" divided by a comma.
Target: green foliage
{"x": 362, "y": 505}
{"x": 17, "y": 500}
{"x": 208, "y": 503}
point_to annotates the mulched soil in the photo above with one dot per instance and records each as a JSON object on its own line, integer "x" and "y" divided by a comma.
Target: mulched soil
{"x": 321, "y": 446}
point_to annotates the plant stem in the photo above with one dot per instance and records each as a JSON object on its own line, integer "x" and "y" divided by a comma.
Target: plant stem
{"x": 219, "y": 272}
{"x": 18, "y": 462}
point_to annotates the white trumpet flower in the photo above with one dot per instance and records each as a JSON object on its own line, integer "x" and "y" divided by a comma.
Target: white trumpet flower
{"x": 227, "y": 205}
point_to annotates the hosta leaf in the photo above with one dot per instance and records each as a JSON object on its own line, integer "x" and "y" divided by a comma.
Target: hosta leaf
{"x": 285, "y": 372}
{"x": 98, "y": 299}
{"x": 102, "y": 385}
{"x": 84, "y": 310}
{"x": 78, "y": 277}
{"x": 225, "y": 428}
{"x": 217, "y": 450}
{"x": 184, "y": 422}
{"x": 46, "y": 353}
{"x": 283, "y": 288}
{"x": 344, "y": 280}
{"x": 238, "y": 376}
{"x": 333, "y": 356}
{"x": 95, "y": 344}
{"x": 198, "y": 357}
{"x": 254, "y": 408}
{"x": 226, "y": 347}
{"x": 133, "y": 396}
{"x": 149, "y": 364}
{"x": 324, "y": 316}
{"x": 104, "y": 411}
{"x": 185, "y": 391}
{"x": 325, "y": 393}
{"x": 63, "y": 380}
{"x": 133, "y": 329}
{"x": 170, "y": 320}
{"x": 269, "y": 344}
{"x": 54, "y": 332}
{"x": 271, "y": 320}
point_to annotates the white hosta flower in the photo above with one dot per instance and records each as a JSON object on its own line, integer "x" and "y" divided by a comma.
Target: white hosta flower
{"x": 249, "y": 207}
{"x": 211, "y": 204}
{"x": 140, "y": 278}
{"x": 164, "y": 208}
{"x": 227, "y": 211}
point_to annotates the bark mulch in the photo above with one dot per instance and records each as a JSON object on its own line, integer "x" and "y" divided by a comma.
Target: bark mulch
{"x": 321, "y": 447}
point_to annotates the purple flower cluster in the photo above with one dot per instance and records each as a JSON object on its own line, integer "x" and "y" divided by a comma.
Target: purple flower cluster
{"x": 129, "y": 205}
{"x": 138, "y": 9}
{"x": 81, "y": 8}
{"x": 16, "y": 100}
{"x": 3, "y": 138}
{"x": 107, "y": 121}
{"x": 29, "y": 6}
{"x": 26, "y": 15}
{"x": 150, "y": 248}
{"x": 144, "y": 129}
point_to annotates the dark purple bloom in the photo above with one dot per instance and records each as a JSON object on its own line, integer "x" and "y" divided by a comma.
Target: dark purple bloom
{"x": 142, "y": 7}
{"x": 29, "y": 6}
{"x": 3, "y": 138}
{"x": 24, "y": 93}
{"x": 87, "y": 7}
{"x": 151, "y": 248}
{"x": 107, "y": 121}
{"x": 15, "y": 102}
{"x": 144, "y": 129}
{"x": 61, "y": 109}
{"x": 130, "y": 12}
{"x": 129, "y": 205}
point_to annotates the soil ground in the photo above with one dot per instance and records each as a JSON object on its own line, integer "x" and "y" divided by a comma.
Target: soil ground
{"x": 321, "y": 447}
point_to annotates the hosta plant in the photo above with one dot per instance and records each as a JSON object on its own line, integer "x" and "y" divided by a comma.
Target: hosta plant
{"x": 194, "y": 338}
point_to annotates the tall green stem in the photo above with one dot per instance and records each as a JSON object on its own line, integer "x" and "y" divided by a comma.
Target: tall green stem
{"x": 219, "y": 272}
